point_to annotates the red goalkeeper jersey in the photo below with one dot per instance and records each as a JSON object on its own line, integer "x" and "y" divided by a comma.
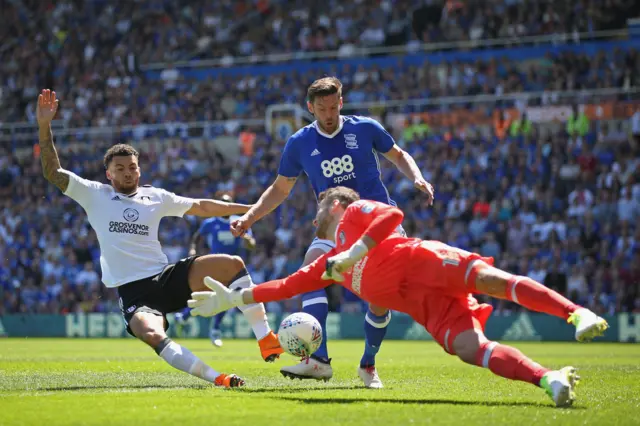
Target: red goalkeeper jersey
{"x": 378, "y": 278}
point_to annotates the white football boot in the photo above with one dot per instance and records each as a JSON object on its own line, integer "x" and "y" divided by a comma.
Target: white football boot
{"x": 369, "y": 376}
{"x": 560, "y": 385}
{"x": 308, "y": 368}
{"x": 588, "y": 324}
{"x": 216, "y": 338}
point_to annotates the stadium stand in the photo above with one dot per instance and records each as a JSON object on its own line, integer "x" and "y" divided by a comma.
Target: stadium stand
{"x": 558, "y": 202}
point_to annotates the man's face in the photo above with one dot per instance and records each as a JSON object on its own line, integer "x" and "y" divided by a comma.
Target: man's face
{"x": 323, "y": 220}
{"x": 124, "y": 174}
{"x": 326, "y": 110}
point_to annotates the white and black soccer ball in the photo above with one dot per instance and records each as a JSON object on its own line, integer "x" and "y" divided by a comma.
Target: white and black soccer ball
{"x": 300, "y": 334}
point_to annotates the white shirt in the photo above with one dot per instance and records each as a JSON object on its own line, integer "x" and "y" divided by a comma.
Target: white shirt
{"x": 127, "y": 227}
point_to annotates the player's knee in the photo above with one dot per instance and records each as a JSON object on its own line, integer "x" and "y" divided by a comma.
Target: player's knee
{"x": 493, "y": 281}
{"x": 378, "y": 310}
{"x": 153, "y": 338}
{"x": 467, "y": 344}
{"x": 236, "y": 264}
{"x": 148, "y": 329}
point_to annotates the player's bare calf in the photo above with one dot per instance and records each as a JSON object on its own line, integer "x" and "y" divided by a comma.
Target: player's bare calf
{"x": 150, "y": 326}
{"x": 231, "y": 271}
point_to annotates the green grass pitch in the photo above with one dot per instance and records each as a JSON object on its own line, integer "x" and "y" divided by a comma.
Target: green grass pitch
{"x": 112, "y": 382}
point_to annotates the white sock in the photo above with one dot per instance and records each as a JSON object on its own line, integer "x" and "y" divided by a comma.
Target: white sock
{"x": 184, "y": 360}
{"x": 254, "y": 313}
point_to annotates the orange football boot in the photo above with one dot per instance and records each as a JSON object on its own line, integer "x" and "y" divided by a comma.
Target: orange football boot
{"x": 270, "y": 347}
{"x": 229, "y": 381}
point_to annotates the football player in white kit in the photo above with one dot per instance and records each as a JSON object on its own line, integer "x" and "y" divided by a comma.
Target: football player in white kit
{"x": 125, "y": 217}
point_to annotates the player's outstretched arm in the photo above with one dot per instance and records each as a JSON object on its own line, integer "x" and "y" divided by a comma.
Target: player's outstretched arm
{"x": 51, "y": 169}
{"x": 216, "y": 208}
{"x": 407, "y": 165}
{"x": 271, "y": 198}
{"x": 209, "y": 303}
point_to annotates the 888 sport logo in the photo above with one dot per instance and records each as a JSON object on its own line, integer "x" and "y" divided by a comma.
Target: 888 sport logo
{"x": 338, "y": 168}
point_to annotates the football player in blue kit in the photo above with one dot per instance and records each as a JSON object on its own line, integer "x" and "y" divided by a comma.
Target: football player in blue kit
{"x": 336, "y": 150}
{"x": 216, "y": 232}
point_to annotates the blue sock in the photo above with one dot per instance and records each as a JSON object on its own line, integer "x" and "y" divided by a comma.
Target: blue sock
{"x": 217, "y": 320}
{"x": 375, "y": 327}
{"x": 186, "y": 313}
{"x": 316, "y": 304}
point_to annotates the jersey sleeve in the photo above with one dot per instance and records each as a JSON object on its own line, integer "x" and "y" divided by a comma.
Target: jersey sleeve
{"x": 290, "y": 165}
{"x": 380, "y": 219}
{"x": 382, "y": 140}
{"x": 81, "y": 190}
{"x": 175, "y": 205}
{"x": 304, "y": 280}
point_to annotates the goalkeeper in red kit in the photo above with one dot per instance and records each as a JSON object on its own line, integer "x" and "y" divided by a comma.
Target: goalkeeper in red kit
{"x": 429, "y": 280}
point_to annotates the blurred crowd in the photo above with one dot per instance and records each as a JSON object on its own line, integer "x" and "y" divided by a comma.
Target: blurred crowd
{"x": 562, "y": 209}
{"x": 90, "y": 53}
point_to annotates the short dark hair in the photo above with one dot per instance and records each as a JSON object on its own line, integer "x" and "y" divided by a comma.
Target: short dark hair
{"x": 324, "y": 87}
{"x": 119, "y": 150}
{"x": 344, "y": 195}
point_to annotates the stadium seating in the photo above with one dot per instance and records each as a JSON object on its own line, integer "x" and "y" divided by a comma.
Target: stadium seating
{"x": 562, "y": 207}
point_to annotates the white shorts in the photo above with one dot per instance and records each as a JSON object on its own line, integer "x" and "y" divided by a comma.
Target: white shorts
{"x": 324, "y": 245}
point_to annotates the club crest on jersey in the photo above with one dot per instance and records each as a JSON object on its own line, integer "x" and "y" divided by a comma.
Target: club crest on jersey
{"x": 342, "y": 238}
{"x": 131, "y": 215}
{"x": 350, "y": 141}
{"x": 367, "y": 208}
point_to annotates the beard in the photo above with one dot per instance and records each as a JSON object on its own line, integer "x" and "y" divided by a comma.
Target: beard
{"x": 323, "y": 227}
{"x": 126, "y": 187}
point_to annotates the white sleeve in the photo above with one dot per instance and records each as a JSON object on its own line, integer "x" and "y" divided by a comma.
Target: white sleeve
{"x": 81, "y": 190}
{"x": 175, "y": 205}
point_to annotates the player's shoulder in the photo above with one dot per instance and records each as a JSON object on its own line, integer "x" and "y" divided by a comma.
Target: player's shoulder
{"x": 150, "y": 190}
{"x": 303, "y": 134}
{"x": 209, "y": 221}
{"x": 364, "y": 206}
{"x": 360, "y": 121}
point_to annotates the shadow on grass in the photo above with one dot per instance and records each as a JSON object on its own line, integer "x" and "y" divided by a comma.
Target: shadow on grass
{"x": 300, "y": 389}
{"x": 81, "y": 388}
{"x": 425, "y": 401}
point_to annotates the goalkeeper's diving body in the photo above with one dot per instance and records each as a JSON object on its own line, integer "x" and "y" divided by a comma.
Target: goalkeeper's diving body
{"x": 429, "y": 280}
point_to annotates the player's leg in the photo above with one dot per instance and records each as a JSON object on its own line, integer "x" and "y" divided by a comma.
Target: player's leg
{"x": 375, "y": 328}
{"x": 316, "y": 304}
{"x": 148, "y": 325}
{"x": 231, "y": 271}
{"x": 532, "y": 295}
{"x": 215, "y": 334}
{"x": 472, "y": 347}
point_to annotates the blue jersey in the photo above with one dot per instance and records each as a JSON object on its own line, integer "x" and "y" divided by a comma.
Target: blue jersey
{"x": 217, "y": 233}
{"x": 348, "y": 158}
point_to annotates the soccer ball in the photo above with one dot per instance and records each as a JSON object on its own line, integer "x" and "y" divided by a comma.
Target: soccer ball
{"x": 300, "y": 334}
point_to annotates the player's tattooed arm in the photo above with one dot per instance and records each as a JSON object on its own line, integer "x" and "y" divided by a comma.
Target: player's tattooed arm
{"x": 51, "y": 168}
{"x": 272, "y": 197}
{"x": 45, "y": 111}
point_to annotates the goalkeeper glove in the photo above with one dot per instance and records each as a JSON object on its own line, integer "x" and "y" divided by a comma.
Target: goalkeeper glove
{"x": 341, "y": 262}
{"x": 210, "y": 303}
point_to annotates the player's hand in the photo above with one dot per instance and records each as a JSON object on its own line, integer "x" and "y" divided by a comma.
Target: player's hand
{"x": 47, "y": 107}
{"x": 424, "y": 186}
{"x": 210, "y": 303}
{"x": 240, "y": 226}
{"x": 336, "y": 265}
